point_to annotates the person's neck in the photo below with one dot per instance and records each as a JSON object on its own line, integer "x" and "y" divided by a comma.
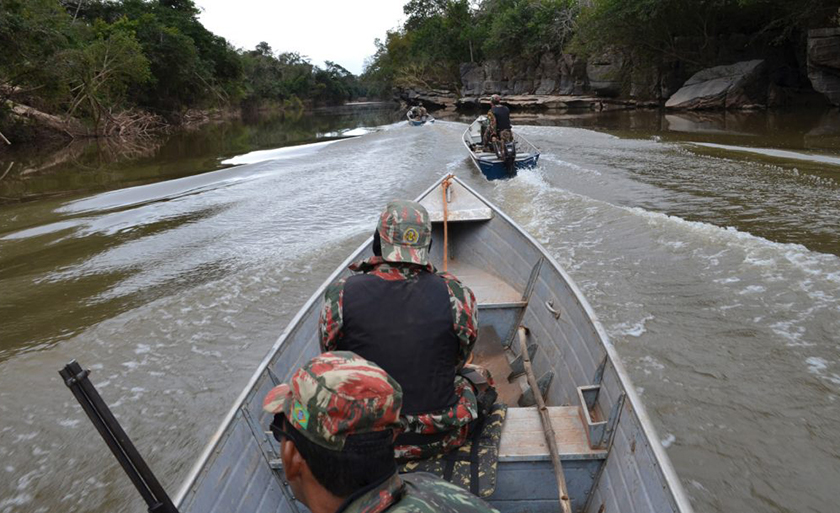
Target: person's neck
{"x": 322, "y": 501}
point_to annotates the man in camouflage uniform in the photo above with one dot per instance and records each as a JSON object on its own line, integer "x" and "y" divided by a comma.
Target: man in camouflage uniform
{"x": 499, "y": 119}
{"x": 335, "y": 422}
{"x": 416, "y": 323}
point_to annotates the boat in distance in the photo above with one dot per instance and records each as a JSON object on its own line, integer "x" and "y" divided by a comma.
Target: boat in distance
{"x": 419, "y": 120}
{"x": 490, "y": 165}
{"x": 611, "y": 456}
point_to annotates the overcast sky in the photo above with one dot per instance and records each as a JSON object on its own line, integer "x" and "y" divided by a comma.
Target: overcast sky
{"x": 338, "y": 30}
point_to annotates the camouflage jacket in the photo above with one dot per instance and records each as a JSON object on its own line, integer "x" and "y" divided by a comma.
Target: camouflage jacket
{"x": 461, "y": 298}
{"x": 414, "y": 493}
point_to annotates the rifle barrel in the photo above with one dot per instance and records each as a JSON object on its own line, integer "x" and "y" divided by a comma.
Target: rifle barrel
{"x": 117, "y": 440}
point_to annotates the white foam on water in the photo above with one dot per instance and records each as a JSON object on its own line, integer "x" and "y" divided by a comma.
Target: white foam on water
{"x": 556, "y": 160}
{"x": 696, "y": 484}
{"x": 724, "y": 281}
{"x": 287, "y": 152}
{"x": 782, "y": 154}
{"x": 25, "y": 437}
{"x": 18, "y": 500}
{"x": 636, "y": 329}
{"x": 816, "y": 365}
{"x": 759, "y": 252}
{"x": 69, "y": 423}
{"x": 668, "y": 440}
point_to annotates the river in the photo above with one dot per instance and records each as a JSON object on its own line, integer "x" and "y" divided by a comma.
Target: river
{"x": 707, "y": 245}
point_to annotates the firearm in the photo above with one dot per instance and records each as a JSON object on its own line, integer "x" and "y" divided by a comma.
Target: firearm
{"x": 132, "y": 463}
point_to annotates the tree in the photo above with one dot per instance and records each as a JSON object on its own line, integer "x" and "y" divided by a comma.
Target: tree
{"x": 99, "y": 73}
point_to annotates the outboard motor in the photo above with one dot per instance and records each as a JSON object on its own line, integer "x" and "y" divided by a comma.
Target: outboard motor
{"x": 510, "y": 157}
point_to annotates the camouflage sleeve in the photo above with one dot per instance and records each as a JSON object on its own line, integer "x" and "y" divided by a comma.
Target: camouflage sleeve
{"x": 464, "y": 316}
{"x": 332, "y": 316}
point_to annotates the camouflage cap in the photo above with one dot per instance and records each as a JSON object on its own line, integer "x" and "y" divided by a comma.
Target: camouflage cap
{"x": 405, "y": 232}
{"x": 336, "y": 395}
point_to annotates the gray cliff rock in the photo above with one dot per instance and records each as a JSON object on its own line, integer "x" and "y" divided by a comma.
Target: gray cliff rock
{"x": 573, "y": 77}
{"x": 493, "y": 77}
{"x": 472, "y": 78}
{"x": 735, "y": 86}
{"x": 548, "y": 73}
{"x": 824, "y": 62}
{"x": 604, "y": 73}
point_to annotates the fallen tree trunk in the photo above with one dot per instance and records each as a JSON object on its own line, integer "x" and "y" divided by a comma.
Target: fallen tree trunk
{"x": 70, "y": 127}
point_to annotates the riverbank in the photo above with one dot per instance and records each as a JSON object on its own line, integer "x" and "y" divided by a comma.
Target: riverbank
{"x": 60, "y": 167}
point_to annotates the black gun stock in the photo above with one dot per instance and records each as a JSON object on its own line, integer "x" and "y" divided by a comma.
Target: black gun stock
{"x": 132, "y": 463}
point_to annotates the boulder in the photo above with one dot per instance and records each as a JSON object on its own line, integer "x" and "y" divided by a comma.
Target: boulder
{"x": 824, "y": 62}
{"x": 472, "y": 78}
{"x": 604, "y": 72}
{"x": 734, "y": 86}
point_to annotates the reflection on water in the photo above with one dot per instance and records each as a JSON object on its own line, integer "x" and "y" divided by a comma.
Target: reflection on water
{"x": 714, "y": 270}
{"x": 86, "y": 166}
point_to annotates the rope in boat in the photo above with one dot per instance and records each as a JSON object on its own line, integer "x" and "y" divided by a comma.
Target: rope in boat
{"x": 565, "y": 503}
{"x": 445, "y": 185}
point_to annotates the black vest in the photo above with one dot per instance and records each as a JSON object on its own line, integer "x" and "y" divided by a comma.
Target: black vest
{"x": 405, "y": 327}
{"x": 502, "y": 115}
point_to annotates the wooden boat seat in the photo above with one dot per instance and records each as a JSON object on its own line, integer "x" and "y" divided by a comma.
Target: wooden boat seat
{"x": 489, "y": 290}
{"x": 523, "y": 438}
{"x": 463, "y": 205}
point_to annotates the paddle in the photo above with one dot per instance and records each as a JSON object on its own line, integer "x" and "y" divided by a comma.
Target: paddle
{"x": 565, "y": 503}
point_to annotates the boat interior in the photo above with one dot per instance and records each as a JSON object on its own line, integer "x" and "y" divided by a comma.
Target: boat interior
{"x": 611, "y": 457}
{"x": 503, "y": 299}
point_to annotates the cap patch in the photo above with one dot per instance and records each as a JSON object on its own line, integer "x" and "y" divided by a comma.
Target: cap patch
{"x": 299, "y": 415}
{"x": 410, "y": 236}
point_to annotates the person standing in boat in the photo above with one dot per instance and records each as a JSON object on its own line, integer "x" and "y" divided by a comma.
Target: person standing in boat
{"x": 499, "y": 116}
{"x": 416, "y": 323}
{"x": 335, "y": 421}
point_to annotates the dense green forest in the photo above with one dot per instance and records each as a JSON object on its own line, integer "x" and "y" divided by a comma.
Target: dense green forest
{"x": 97, "y": 60}
{"x": 438, "y": 35}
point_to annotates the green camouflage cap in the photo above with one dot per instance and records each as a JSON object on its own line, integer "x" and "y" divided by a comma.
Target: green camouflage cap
{"x": 405, "y": 232}
{"x": 336, "y": 395}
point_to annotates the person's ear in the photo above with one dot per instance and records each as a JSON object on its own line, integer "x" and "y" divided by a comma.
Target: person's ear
{"x": 293, "y": 462}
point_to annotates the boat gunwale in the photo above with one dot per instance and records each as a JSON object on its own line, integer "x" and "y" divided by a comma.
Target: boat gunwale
{"x": 219, "y": 434}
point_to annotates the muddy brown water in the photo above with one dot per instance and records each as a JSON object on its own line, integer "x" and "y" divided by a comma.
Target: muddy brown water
{"x": 707, "y": 244}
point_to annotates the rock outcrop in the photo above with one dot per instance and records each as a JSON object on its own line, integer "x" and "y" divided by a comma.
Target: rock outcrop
{"x": 472, "y": 78}
{"x": 741, "y": 85}
{"x": 605, "y": 74}
{"x": 762, "y": 76}
{"x": 824, "y": 62}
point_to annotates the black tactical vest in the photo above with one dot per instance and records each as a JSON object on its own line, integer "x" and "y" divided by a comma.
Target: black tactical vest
{"x": 405, "y": 327}
{"x": 502, "y": 115}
